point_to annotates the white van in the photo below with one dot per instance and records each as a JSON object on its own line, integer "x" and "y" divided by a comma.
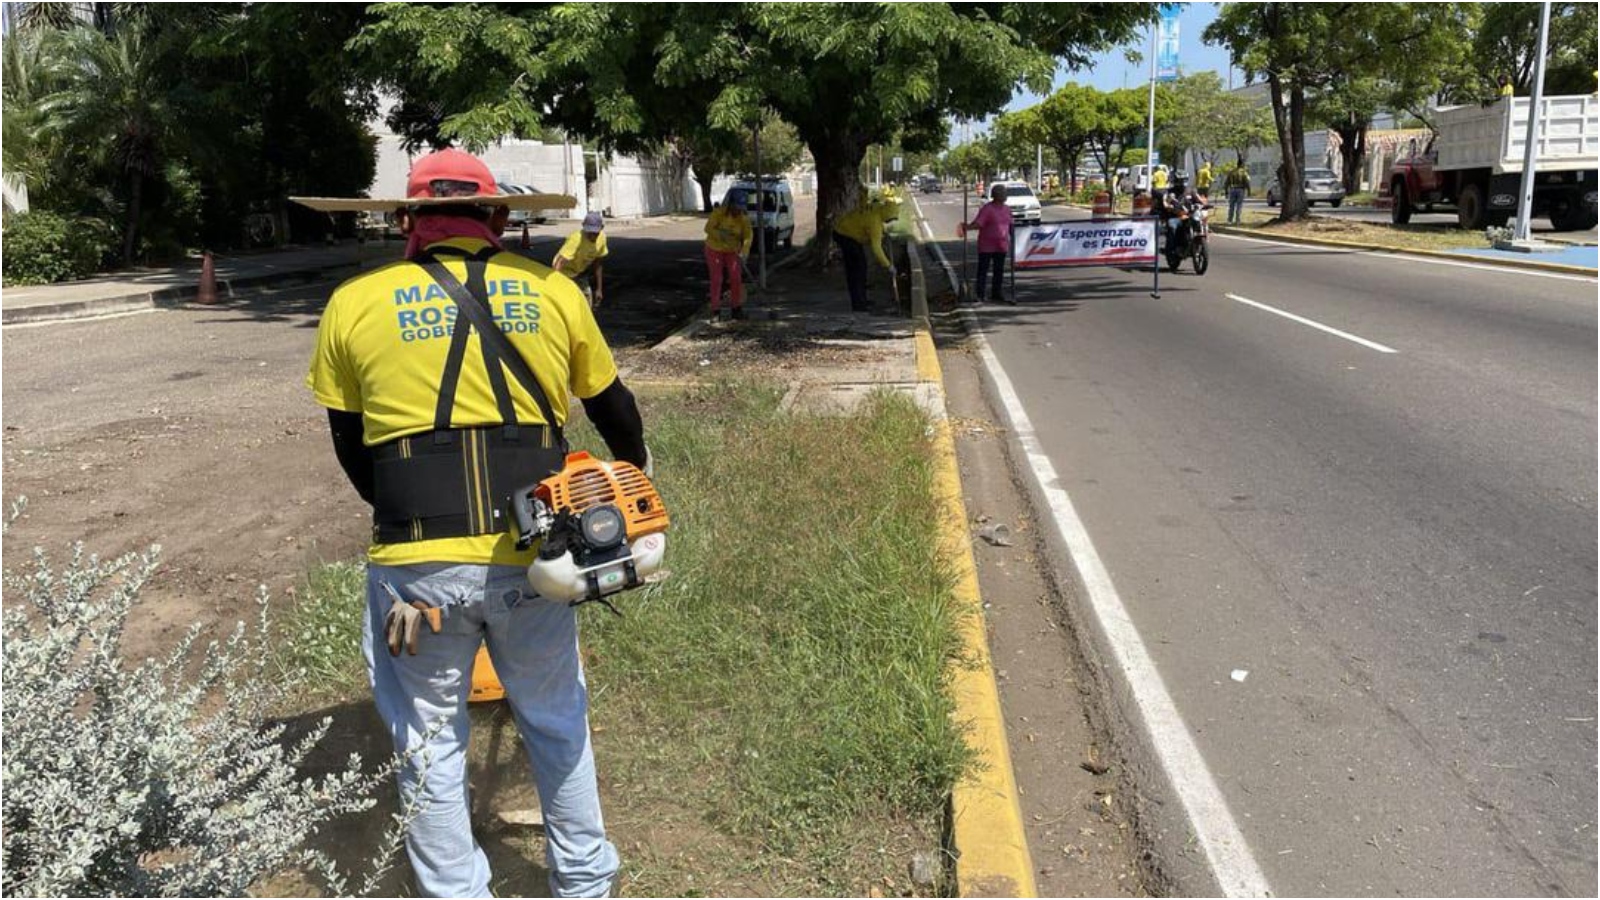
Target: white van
{"x": 772, "y": 216}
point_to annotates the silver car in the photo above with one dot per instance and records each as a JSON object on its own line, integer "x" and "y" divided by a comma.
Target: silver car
{"x": 1020, "y": 200}
{"x": 1322, "y": 186}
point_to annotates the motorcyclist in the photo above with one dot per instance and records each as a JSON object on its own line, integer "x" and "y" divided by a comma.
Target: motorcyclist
{"x": 1177, "y": 205}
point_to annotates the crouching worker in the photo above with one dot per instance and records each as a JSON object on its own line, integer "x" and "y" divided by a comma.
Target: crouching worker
{"x": 855, "y": 234}
{"x": 583, "y": 257}
{"x": 446, "y": 377}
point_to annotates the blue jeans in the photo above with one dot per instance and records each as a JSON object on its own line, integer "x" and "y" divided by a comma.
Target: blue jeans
{"x": 1235, "y": 205}
{"x": 534, "y": 645}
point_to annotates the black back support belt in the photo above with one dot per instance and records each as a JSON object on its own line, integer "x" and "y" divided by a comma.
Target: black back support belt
{"x": 452, "y": 482}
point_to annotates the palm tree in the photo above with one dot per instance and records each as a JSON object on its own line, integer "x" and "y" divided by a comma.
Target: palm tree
{"x": 110, "y": 98}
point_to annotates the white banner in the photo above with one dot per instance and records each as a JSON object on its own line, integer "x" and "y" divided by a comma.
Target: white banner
{"x": 1113, "y": 242}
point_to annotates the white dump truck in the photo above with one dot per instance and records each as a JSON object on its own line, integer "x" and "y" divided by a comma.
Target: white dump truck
{"x": 1475, "y": 159}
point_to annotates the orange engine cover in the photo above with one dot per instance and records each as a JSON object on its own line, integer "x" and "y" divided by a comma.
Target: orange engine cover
{"x": 586, "y": 482}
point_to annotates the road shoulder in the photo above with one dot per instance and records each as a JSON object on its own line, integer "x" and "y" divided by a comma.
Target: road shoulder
{"x": 1071, "y": 791}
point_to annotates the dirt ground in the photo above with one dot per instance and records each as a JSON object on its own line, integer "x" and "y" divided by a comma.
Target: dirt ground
{"x": 189, "y": 428}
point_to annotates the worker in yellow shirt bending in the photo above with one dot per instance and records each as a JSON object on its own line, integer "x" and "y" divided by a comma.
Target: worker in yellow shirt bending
{"x": 853, "y": 233}
{"x": 728, "y": 236}
{"x": 583, "y": 258}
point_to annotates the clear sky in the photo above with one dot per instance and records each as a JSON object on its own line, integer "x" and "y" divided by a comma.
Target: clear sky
{"x": 1111, "y": 70}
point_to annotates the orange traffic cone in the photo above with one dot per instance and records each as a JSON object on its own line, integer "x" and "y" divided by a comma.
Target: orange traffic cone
{"x": 526, "y": 243}
{"x": 208, "y": 280}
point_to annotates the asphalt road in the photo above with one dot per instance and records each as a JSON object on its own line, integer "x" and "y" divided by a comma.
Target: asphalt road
{"x": 1367, "y": 579}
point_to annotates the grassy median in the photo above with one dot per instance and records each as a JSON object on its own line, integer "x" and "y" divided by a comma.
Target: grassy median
{"x": 772, "y": 717}
{"x": 1380, "y": 234}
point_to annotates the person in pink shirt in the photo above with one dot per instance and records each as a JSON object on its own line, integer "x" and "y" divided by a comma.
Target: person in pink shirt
{"x": 993, "y": 224}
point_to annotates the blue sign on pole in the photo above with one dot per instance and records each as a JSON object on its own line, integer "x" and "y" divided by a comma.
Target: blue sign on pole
{"x": 1167, "y": 46}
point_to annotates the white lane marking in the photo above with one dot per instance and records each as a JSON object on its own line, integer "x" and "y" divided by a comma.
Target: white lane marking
{"x": 1225, "y": 848}
{"x": 1374, "y": 345}
{"x": 1401, "y": 256}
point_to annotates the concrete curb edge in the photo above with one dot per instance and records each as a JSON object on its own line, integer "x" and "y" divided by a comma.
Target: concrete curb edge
{"x": 987, "y": 836}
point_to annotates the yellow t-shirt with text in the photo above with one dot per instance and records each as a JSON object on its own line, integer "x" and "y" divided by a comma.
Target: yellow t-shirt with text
{"x": 381, "y": 349}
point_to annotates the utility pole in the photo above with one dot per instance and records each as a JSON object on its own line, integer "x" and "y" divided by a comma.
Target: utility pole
{"x": 1038, "y": 165}
{"x": 1531, "y": 153}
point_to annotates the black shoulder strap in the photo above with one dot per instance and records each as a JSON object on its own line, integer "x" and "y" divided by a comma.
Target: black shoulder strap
{"x": 474, "y": 307}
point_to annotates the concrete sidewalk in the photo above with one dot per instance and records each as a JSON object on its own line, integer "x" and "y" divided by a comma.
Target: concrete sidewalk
{"x": 135, "y": 289}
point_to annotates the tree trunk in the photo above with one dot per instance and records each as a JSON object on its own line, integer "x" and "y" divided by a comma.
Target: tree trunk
{"x": 130, "y": 233}
{"x": 838, "y": 157}
{"x": 1352, "y": 152}
{"x": 1288, "y": 115}
{"x": 705, "y": 189}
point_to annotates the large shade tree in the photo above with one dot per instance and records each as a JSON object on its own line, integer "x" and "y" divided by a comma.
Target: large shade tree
{"x": 845, "y": 76}
{"x": 1311, "y": 52}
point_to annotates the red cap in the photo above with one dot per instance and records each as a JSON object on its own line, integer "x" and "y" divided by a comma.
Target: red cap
{"x": 450, "y": 172}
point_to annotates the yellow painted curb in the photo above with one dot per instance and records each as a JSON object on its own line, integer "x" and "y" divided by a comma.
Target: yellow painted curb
{"x": 992, "y": 858}
{"x": 1401, "y": 251}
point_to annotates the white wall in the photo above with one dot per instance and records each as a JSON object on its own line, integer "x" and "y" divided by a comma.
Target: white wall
{"x": 548, "y": 167}
{"x": 630, "y": 187}
{"x": 16, "y": 195}
{"x": 552, "y": 168}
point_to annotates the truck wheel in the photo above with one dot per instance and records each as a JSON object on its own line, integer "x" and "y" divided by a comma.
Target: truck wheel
{"x": 1470, "y": 208}
{"x": 1572, "y": 217}
{"x": 1336, "y": 203}
{"x": 1400, "y": 212}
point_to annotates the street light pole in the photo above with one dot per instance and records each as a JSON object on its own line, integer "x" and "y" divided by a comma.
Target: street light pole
{"x": 1150, "y": 169}
{"x": 1530, "y": 153}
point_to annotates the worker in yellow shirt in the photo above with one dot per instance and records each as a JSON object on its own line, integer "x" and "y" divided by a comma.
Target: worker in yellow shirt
{"x": 1158, "y": 179}
{"x": 853, "y": 233}
{"x": 448, "y": 379}
{"x": 1202, "y": 180}
{"x": 583, "y": 257}
{"x": 728, "y": 236}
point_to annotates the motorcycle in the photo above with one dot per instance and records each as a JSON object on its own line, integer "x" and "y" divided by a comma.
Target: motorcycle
{"x": 1195, "y": 238}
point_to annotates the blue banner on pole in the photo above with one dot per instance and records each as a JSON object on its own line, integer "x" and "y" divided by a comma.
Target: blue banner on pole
{"x": 1167, "y": 46}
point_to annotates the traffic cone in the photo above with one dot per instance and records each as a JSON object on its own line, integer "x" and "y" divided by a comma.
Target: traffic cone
{"x": 208, "y": 280}
{"x": 526, "y": 243}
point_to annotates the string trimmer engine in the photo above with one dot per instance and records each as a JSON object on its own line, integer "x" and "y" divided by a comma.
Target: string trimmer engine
{"x": 601, "y": 527}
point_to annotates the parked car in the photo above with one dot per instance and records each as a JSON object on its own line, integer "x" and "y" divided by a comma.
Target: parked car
{"x": 521, "y": 217}
{"x": 1021, "y": 201}
{"x": 773, "y": 217}
{"x": 1322, "y": 186}
{"x": 930, "y": 184}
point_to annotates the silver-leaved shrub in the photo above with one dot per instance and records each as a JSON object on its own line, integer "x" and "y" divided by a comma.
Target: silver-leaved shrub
{"x": 165, "y": 778}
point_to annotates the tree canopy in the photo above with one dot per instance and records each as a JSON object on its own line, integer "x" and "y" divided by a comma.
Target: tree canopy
{"x": 1344, "y": 57}
{"x": 844, "y": 75}
{"x": 179, "y": 121}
